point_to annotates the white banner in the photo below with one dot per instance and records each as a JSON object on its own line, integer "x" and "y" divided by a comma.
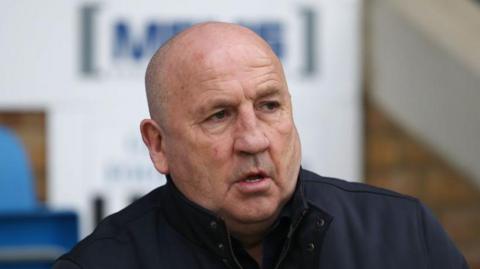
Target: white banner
{"x": 84, "y": 62}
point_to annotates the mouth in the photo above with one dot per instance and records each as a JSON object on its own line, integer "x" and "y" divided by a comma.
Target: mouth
{"x": 251, "y": 178}
{"x": 253, "y": 182}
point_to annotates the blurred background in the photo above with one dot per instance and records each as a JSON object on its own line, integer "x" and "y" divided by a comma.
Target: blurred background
{"x": 385, "y": 92}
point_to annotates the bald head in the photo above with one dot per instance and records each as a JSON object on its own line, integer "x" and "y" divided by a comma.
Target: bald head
{"x": 177, "y": 59}
{"x": 221, "y": 111}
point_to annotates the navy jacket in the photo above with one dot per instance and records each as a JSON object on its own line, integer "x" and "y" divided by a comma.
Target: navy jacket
{"x": 333, "y": 224}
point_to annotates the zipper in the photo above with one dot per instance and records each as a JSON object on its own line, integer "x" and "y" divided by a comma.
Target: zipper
{"x": 231, "y": 250}
{"x": 284, "y": 253}
{"x": 286, "y": 247}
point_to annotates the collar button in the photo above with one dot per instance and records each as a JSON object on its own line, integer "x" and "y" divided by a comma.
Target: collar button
{"x": 213, "y": 225}
{"x": 310, "y": 247}
{"x": 320, "y": 223}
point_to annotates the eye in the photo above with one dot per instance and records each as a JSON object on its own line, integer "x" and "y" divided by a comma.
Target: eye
{"x": 219, "y": 116}
{"x": 270, "y": 106}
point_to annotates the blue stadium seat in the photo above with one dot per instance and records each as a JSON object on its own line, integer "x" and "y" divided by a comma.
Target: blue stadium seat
{"x": 16, "y": 184}
{"x": 31, "y": 236}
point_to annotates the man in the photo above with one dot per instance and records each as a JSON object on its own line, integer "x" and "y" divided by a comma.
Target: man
{"x": 236, "y": 197}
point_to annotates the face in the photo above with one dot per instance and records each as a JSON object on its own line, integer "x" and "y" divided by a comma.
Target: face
{"x": 230, "y": 142}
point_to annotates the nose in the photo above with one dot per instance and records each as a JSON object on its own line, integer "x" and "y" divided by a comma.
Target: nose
{"x": 250, "y": 137}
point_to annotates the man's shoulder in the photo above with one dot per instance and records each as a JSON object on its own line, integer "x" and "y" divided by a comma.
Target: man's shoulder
{"x": 313, "y": 180}
{"x": 334, "y": 194}
{"x": 143, "y": 209}
{"x": 374, "y": 217}
{"x": 116, "y": 233}
{"x": 361, "y": 210}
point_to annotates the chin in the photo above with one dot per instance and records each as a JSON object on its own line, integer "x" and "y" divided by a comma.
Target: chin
{"x": 256, "y": 214}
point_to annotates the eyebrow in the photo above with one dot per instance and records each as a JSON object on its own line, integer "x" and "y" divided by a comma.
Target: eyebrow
{"x": 270, "y": 91}
{"x": 213, "y": 104}
{"x": 222, "y": 101}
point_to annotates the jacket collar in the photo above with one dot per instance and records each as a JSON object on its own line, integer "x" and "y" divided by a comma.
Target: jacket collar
{"x": 208, "y": 230}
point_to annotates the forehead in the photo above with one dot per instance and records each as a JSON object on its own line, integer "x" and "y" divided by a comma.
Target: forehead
{"x": 206, "y": 61}
{"x": 214, "y": 67}
{"x": 246, "y": 63}
{"x": 237, "y": 55}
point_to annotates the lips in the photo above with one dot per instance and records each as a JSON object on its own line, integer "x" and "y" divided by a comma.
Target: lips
{"x": 254, "y": 177}
{"x": 253, "y": 182}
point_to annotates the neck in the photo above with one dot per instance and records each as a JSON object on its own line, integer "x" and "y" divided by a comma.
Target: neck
{"x": 256, "y": 252}
{"x": 251, "y": 236}
{"x": 252, "y": 244}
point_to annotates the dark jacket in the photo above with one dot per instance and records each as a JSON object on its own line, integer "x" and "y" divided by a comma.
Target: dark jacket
{"x": 333, "y": 224}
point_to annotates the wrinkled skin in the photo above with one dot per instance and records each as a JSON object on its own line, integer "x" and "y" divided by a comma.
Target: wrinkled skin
{"x": 227, "y": 118}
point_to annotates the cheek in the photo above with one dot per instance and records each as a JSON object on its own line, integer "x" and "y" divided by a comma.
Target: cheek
{"x": 285, "y": 144}
{"x": 216, "y": 152}
{"x": 285, "y": 127}
{"x": 218, "y": 148}
{"x": 219, "y": 152}
{"x": 283, "y": 135}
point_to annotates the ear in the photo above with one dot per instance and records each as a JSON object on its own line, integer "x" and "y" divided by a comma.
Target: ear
{"x": 153, "y": 138}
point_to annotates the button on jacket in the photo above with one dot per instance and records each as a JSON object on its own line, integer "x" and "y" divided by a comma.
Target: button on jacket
{"x": 328, "y": 223}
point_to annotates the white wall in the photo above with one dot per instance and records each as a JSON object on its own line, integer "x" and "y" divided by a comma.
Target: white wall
{"x": 95, "y": 100}
{"x": 426, "y": 82}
